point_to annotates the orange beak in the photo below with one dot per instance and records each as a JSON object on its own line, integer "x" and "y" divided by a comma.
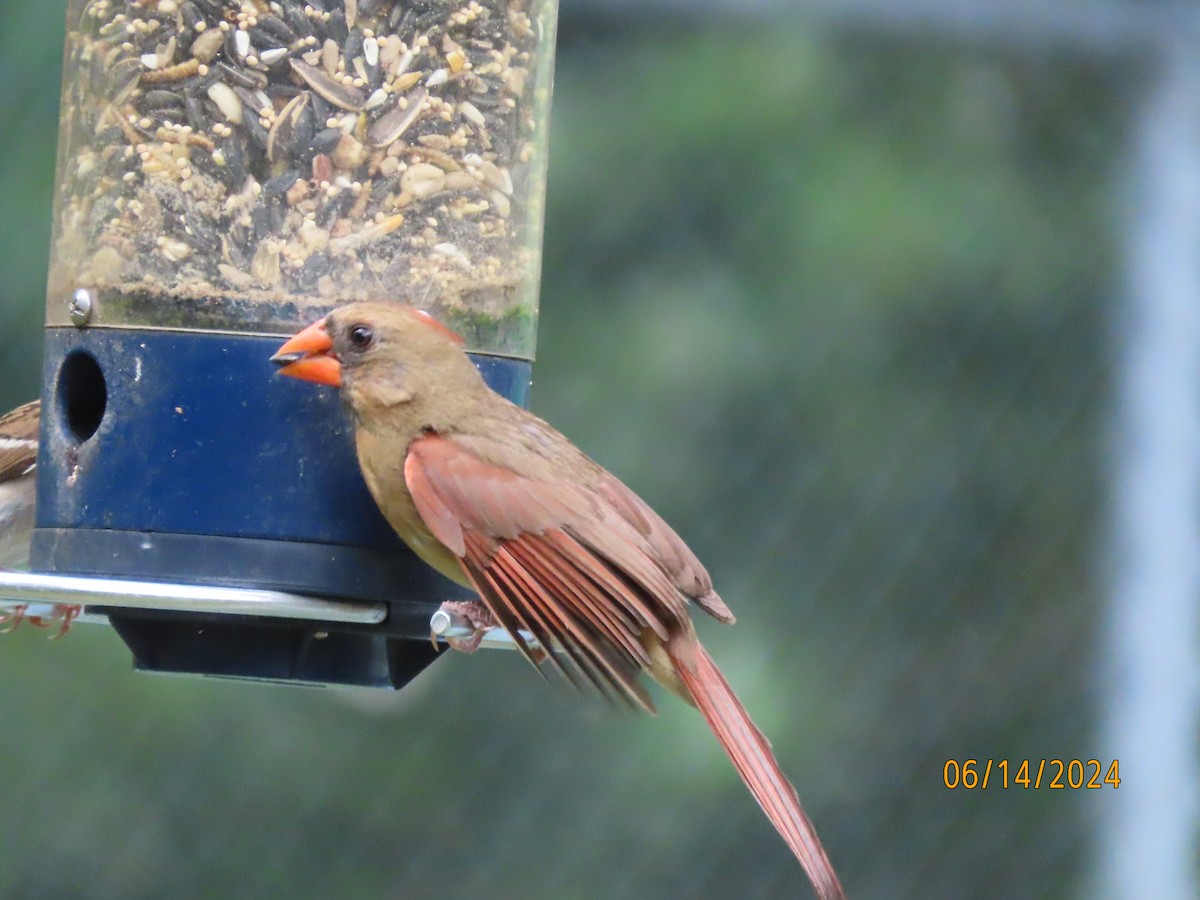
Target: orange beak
{"x": 307, "y": 356}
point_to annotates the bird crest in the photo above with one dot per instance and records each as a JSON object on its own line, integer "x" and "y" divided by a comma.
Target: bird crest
{"x": 437, "y": 326}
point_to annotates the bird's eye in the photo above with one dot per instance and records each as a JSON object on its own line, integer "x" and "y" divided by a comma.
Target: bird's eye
{"x": 361, "y": 336}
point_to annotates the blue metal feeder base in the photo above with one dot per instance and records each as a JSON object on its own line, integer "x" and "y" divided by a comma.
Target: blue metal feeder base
{"x": 182, "y": 456}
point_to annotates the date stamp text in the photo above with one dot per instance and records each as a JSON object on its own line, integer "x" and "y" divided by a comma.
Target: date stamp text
{"x": 1031, "y": 774}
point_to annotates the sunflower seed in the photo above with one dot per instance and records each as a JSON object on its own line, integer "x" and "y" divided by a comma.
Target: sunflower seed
{"x": 391, "y": 125}
{"x": 289, "y": 130}
{"x": 341, "y": 95}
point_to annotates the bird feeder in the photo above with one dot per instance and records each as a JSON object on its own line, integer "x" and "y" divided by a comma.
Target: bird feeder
{"x": 227, "y": 173}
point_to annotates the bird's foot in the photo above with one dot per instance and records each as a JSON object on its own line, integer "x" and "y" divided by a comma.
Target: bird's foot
{"x": 62, "y": 615}
{"x": 14, "y": 617}
{"x": 475, "y": 615}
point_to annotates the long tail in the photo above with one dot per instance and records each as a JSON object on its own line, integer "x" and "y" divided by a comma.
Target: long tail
{"x": 751, "y": 754}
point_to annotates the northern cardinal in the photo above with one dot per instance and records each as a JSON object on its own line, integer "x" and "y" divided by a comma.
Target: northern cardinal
{"x": 18, "y": 499}
{"x": 496, "y": 499}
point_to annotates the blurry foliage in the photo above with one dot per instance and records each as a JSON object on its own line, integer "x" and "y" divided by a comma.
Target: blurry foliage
{"x": 29, "y": 74}
{"x": 835, "y": 304}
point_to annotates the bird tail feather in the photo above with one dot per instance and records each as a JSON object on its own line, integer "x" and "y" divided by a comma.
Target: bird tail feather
{"x": 755, "y": 762}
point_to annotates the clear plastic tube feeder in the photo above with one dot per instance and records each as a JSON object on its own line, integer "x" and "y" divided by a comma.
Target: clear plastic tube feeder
{"x": 227, "y": 173}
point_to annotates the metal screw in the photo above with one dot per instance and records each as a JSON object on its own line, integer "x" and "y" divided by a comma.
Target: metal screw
{"x": 81, "y": 307}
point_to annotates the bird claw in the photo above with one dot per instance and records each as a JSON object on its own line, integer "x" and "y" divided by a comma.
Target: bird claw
{"x": 478, "y": 616}
{"x": 15, "y": 615}
{"x": 63, "y": 614}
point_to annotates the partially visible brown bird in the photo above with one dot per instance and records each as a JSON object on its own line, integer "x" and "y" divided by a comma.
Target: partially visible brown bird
{"x": 18, "y": 499}
{"x": 494, "y": 498}
{"x": 18, "y": 483}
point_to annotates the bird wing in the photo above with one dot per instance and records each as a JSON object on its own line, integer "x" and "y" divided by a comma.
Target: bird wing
{"x": 586, "y": 566}
{"x": 668, "y": 548}
{"x": 18, "y": 440}
{"x": 582, "y": 567}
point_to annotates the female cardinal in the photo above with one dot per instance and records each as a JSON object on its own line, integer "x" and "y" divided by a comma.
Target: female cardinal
{"x": 495, "y": 499}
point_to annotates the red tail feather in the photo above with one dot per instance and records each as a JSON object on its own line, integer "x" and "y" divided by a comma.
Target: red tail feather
{"x": 751, "y": 754}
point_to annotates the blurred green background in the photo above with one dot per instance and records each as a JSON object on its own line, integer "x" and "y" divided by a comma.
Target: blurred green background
{"x": 834, "y": 300}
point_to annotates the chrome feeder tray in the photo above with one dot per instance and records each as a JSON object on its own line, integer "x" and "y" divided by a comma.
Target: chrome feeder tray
{"x": 44, "y": 596}
{"x": 215, "y": 195}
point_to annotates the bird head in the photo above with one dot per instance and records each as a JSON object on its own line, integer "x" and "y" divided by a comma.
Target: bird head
{"x": 380, "y": 355}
